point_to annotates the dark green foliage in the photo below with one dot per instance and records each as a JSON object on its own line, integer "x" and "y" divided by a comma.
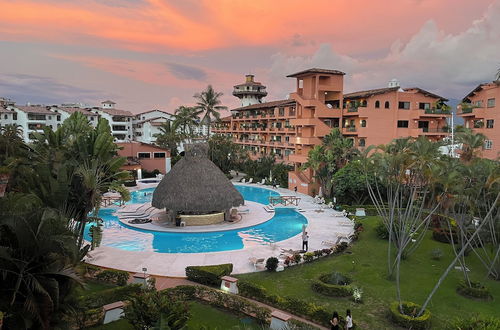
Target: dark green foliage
{"x": 475, "y": 290}
{"x": 130, "y": 183}
{"x": 104, "y": 297}
{"x": 311, "y": 311}
{"x": 437, "y": 254}
{"x": 220, "y": 299}
{"x": 408, "y": 319}
{"x": 339, "y": 248}
{"x": 263, "y": 167}
{"x": 152, "y": 308}
{"x": 118, "y": 277}
{"x": 475, "y": 323}
{"x": 150, "y": 174}
{"x": 297, "y": 258}
{"x": 349, "y": 184}
{"x": 443, "y": 235}
{"x": 272, "y": 264}
{"x": 224, "y": 153}
{"x": 308, "y": 256}
{"x": 382, "y": 231}
{"x": 209, "y": 275}
{"x": 335, "y": 284}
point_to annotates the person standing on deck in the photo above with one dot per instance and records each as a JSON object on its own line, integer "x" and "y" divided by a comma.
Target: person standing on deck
{"x": 305, "y": 241}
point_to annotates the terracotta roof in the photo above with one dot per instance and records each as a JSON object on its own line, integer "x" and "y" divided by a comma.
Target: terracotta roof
{"x": 228, "y": 118}
{"x": 479, "y": 87}
{"x": 426, "y": 93}
{"x": 370, "y": 92}
{"x": 168, "y": 113}
{"x": 34, "y": 109}
{"x": 71, "y": 110}
{"x": 315, "y": 70}
{"x": 271, "y": 104}
{"x": 116, "y": 112}
{"x": 253, "y": 83}
{"x": 108, "y": 101}
{"x": 141, "y": 143}
{"x": 150, "y": 119}
{"x": 2, "y": 109}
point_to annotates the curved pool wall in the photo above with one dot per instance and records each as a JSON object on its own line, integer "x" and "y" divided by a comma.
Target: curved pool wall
{"x": 285, "y": 224}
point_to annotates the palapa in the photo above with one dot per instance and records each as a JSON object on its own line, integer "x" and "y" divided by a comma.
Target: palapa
{"x": 195, "y": 185}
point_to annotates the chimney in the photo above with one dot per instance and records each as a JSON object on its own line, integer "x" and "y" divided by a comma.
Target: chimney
{"x": 393, "y": 83}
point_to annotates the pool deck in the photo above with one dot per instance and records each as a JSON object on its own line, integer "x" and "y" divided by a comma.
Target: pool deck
{"x": 325, "y": 228}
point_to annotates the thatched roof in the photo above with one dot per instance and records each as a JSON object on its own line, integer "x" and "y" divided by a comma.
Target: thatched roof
{"x": 196, "y": 185}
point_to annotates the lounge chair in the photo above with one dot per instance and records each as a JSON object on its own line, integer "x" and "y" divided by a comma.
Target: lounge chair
{"x": 257, "y": 262}
{"x": 243, "y": 180}
{"x": 262, "y": 182}
{"x": 250, "y": 181}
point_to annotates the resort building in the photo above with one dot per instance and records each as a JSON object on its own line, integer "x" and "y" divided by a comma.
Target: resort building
{"x": 120, "y": 121}
{"x": 147, "y": 124}
{"x": 66, "y": 111}
{"x": 143, "y": 156}
{"x": 250, "y": 92}
{"x": 289, "y": 129}
{"x": 480, "y": 111}
{"x": 32, "y": 118}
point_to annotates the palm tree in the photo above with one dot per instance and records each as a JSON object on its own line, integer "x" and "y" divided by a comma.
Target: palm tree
{"x": 185, "y": 119}
{"x": 10, "y": 140}
{"x": 209, "y": 103}
{"x": 471, "y": 144}
{"x": 497, "y": 76}
{"x": 37, "y": 253}
{"x": 168, "y": 137}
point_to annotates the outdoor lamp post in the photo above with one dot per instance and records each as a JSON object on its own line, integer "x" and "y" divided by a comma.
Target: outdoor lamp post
{"x": 144, "y": 269}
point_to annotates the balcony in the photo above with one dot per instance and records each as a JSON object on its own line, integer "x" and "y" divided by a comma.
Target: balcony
{"x": 306, "y": 140}
{"x": 349, "y": 130}
{"x": 434, "y": 111}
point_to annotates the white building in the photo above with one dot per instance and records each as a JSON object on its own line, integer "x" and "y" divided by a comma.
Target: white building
{"x": 66, "y": 112}
{"x": 120, "y": 121}
{"x": 32, "y": 118}
{"x": 147, "y": 124}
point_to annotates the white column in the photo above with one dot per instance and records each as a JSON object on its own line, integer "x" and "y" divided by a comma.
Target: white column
{"x": 168, "y": 164}
{"x": 139, "y": 174}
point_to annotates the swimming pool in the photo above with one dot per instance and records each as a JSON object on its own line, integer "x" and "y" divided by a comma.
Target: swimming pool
{"x": 285, "y": 224}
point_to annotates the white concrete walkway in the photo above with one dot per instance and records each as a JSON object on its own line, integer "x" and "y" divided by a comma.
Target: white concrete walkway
{"x": 323, "y": 227}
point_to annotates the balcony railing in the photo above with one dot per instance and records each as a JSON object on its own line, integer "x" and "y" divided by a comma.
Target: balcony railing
{"x": 436, "y": 130}
{"x": 434, "y": 111}
{"x": 351, "y": 128}
{"x": 352, "y": 109}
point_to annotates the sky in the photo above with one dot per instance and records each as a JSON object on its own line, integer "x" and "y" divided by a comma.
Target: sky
{"x": 156, "y": 54}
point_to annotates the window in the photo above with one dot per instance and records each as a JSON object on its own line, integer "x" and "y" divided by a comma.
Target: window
{"x": 424, "y": 106}
{"x": 403, "y": 123}
{"x": 404, "y": 105}
{"x": 387, "y": 105}
{"x": 50, "y": 117}
{"x": 488, "y": 144}
{"x": 91, "y": 118}
{"x": 144, "y": 155}
{"x": 491, "y": 103}
{"x": 490, "y": 123}
{"x": 363, "y": 123}
{"x": 58, "y": 117}
{"x": 478, "y": 103}
{"x": 377, "y": 104}
{"x": 362, "y": 142}
{"x": 363, "y": 103}
{"x": 282, "y": 111}
{"x": 159, "y": 155}
{"x": 5, "y": 117}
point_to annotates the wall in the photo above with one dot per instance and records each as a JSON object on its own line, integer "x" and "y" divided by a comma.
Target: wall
{"x": 131, "y": 149}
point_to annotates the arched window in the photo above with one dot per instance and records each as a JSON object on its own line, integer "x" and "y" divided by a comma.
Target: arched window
{"x": 377, "y": 104}
{"x": 362, "y": 142}
{"x": 387, "y": 106}
{"x": 363, "y": 123}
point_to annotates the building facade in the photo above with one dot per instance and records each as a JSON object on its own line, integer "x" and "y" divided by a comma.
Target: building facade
{"x": 289, "y": 129}
{"x": 120, "y": 121}
{"x": 143, "y": 156}
{"x": 481, "y": 112}
{"x": 147, "y": 124}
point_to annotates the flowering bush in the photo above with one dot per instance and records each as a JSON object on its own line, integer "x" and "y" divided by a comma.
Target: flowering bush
{"x": 357, "y": 295}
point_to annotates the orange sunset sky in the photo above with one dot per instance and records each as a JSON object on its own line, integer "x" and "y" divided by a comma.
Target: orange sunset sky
{"x": 146, "y": 54}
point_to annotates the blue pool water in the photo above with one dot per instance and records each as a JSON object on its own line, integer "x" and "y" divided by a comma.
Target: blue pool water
{"x": 285, "y": 223}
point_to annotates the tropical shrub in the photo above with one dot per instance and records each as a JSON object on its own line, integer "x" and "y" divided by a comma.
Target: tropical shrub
{"x": 357, "y": 295}
{"x": 118, "y": 277}
{"x": 297, "y": 258}
{"x": 308, "y": 256}
{"x": 335, "y": 284}
{"x": 382, "y": 231}
{"x": 104, "y": 297}
{"x": 209, "y": 275}
{"x": 339, "y": 248}
{"x": 408, "y": 319}
{"x": 437, "y": 254}
{"x": 272, "y": 264}
{"x": 475, "y": 290}
{"x": 475, "y": 322}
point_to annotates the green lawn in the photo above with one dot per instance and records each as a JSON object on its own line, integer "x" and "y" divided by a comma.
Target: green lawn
{"x": 366, "y": 262}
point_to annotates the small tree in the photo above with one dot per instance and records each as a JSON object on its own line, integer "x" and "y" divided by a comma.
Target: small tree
{"x": 272, "y": 264}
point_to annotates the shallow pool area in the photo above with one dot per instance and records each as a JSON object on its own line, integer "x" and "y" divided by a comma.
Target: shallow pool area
{"x": 285, "y": 224}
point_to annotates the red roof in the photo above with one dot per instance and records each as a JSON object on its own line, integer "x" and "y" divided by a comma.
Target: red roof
{"x": 265, "y": 105}
{"x": 116, "y": 112}
{"x": 35, "y": 109}
{"x": 315, "y": 71}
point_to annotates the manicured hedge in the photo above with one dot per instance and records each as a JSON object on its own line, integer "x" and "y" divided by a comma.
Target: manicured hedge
{"x": 322, "y": 286}
{"x": 316, "y": 313}
{"x": 118, "y": 277}
{"x": 475, "y": 322}
{"x": 477, "y": 290}
{"x": 209, "y": 275}
{"x": 101, "y": 298}
{"x": 221, "y": 299}
{"x": 407, "y": 321}
{"x": 443, "y": 235}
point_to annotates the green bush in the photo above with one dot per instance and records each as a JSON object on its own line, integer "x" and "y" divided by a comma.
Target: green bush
{"x": 130, "y": 183}
{"x": 339, "y": 248}
{"x": 443, "y": 235}
{"x": 251, "y": 290}
{"x": 296, "y": 324}
{"x": 408, "y": 319}
{"x": 104, "y": 297}
{"x": 437, "y": 254}
{"x": 308, "y": 256}
{"x": 335, "y": 278}
{"x": 476, "y": 290}
{"x": 209, "y": 275}
{"x": 475, "y": 322}
{"x": 297, "y": 258}
{"x": 118, "y": 277}
{"x": 382, "y": 231}
{"x": 333, "y": 285}
{"x": 272, "y": 264}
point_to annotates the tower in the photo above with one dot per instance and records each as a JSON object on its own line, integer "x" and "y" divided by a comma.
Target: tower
{"x": 251, "y": 92}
